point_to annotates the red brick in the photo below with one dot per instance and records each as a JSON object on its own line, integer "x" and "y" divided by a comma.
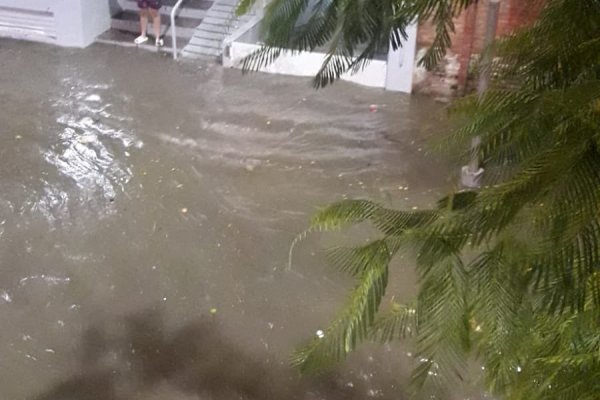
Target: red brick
{"x": 469, "y": 28}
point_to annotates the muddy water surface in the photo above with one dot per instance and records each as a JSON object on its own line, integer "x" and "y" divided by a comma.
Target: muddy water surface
{"x": 146, "y": 212}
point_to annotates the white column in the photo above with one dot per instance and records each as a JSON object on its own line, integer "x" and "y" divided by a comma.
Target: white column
{"x": 401, "y": 62}
{"x": 79, "y": 22}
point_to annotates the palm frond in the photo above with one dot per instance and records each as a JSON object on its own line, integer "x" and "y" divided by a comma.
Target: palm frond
{"x": 441, "y": 340}
{"x": 509, "y": 273}
{"x": 351, "y": 31}
{"x": 398, "y": 323}
{"x": 352, "y": 325}
{"x": 244, "y": 7}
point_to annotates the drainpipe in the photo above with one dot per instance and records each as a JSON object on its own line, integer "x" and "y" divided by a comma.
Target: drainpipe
{"x": 470, "y": 20}
{"x": 471, "y": 173}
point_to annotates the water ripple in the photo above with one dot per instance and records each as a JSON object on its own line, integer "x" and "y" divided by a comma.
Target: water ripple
{"x": 90, "y": 149}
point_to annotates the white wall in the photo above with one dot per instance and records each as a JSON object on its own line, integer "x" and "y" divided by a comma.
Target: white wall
{"x": 36, "y": 5}
{"x": 96, "y": 16}
{"x": 394, "y": 74}
{"x": 306, "y": 64}
{"x": 76, "y": 22}
{"x": 401, "y": 62}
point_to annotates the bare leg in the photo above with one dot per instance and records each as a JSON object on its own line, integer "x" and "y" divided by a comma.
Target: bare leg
{"x": 156, "y": 20}
{"x": 143, "y": 27}
{"x": 143, "y": 21}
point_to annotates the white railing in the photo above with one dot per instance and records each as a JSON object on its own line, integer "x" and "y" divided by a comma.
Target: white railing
{"x": 174, "y": 28}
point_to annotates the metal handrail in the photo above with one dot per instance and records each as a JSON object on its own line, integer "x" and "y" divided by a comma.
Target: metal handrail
{"x": 174, "y": 28}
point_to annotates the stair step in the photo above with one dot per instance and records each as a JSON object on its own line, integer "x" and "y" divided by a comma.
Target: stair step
{"x": 223, "y": 7}
{"x": 215, "y": 26}
{"x": 182, "y": 22}
{"x": 220, "y": 20}
{"x": 233, "y": 3}
{"x": 217, "y": 18}
{"x": 129, "y": 21}
{"x": 201, "y": 50}
{"x": 208, "y": 42}
{"x": 125, "y": 39}
{"x": 200, "y": 33}
{"x": 222, "y": 29}
{"x": 221, "y": 14}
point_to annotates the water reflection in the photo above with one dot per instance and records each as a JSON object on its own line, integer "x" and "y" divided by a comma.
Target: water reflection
{"x": 139, "y": 357}
{"x": 91, "y": 150}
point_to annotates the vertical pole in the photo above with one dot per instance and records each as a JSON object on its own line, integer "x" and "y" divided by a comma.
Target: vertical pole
{"x": 174, "y": 28}
{"x": 471, "y": 173}
{"x": 174, "y": 33}
{"x": 488, "y": 56}
{"x": 468, "y": 37}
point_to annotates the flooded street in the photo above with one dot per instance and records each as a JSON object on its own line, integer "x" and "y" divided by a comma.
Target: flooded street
{"x": 146, "y": 212}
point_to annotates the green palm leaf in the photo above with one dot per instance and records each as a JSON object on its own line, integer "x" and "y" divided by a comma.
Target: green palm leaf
{"x": 510, "y": 273}
{"x": 398, "y": 323}
{"x": 352, "y": 32}
{"x": 352, "y": 325}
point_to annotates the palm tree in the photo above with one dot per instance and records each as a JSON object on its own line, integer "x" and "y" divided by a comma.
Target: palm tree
{"x": 509, "y": 274}
{"x": 352, "y": 32}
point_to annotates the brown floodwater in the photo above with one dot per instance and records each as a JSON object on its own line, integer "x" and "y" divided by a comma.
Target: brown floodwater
{"x": 146, "y": 212}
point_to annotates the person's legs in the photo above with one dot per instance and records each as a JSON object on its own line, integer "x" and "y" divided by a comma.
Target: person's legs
{"x": 143, "y": 22}
{"x": 154, "y": 7}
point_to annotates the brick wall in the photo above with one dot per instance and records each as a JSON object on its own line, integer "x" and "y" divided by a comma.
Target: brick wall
{"x": 468, "y": 37}
{"x": 513, "y": 14}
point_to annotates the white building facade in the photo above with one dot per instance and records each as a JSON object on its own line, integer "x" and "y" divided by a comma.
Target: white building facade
{"x": 71, "y": 23}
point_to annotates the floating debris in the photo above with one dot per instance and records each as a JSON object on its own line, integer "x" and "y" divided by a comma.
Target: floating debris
{"x": 49, "y": 279}
{"x": 93, "y": 97}
{"x": 320, "y": 334}
{"x": 5, "y": 296}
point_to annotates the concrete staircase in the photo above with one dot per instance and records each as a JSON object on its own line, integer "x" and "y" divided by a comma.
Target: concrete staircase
{"x": 220, "y": 21}
{"x": 126, "y": 27}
